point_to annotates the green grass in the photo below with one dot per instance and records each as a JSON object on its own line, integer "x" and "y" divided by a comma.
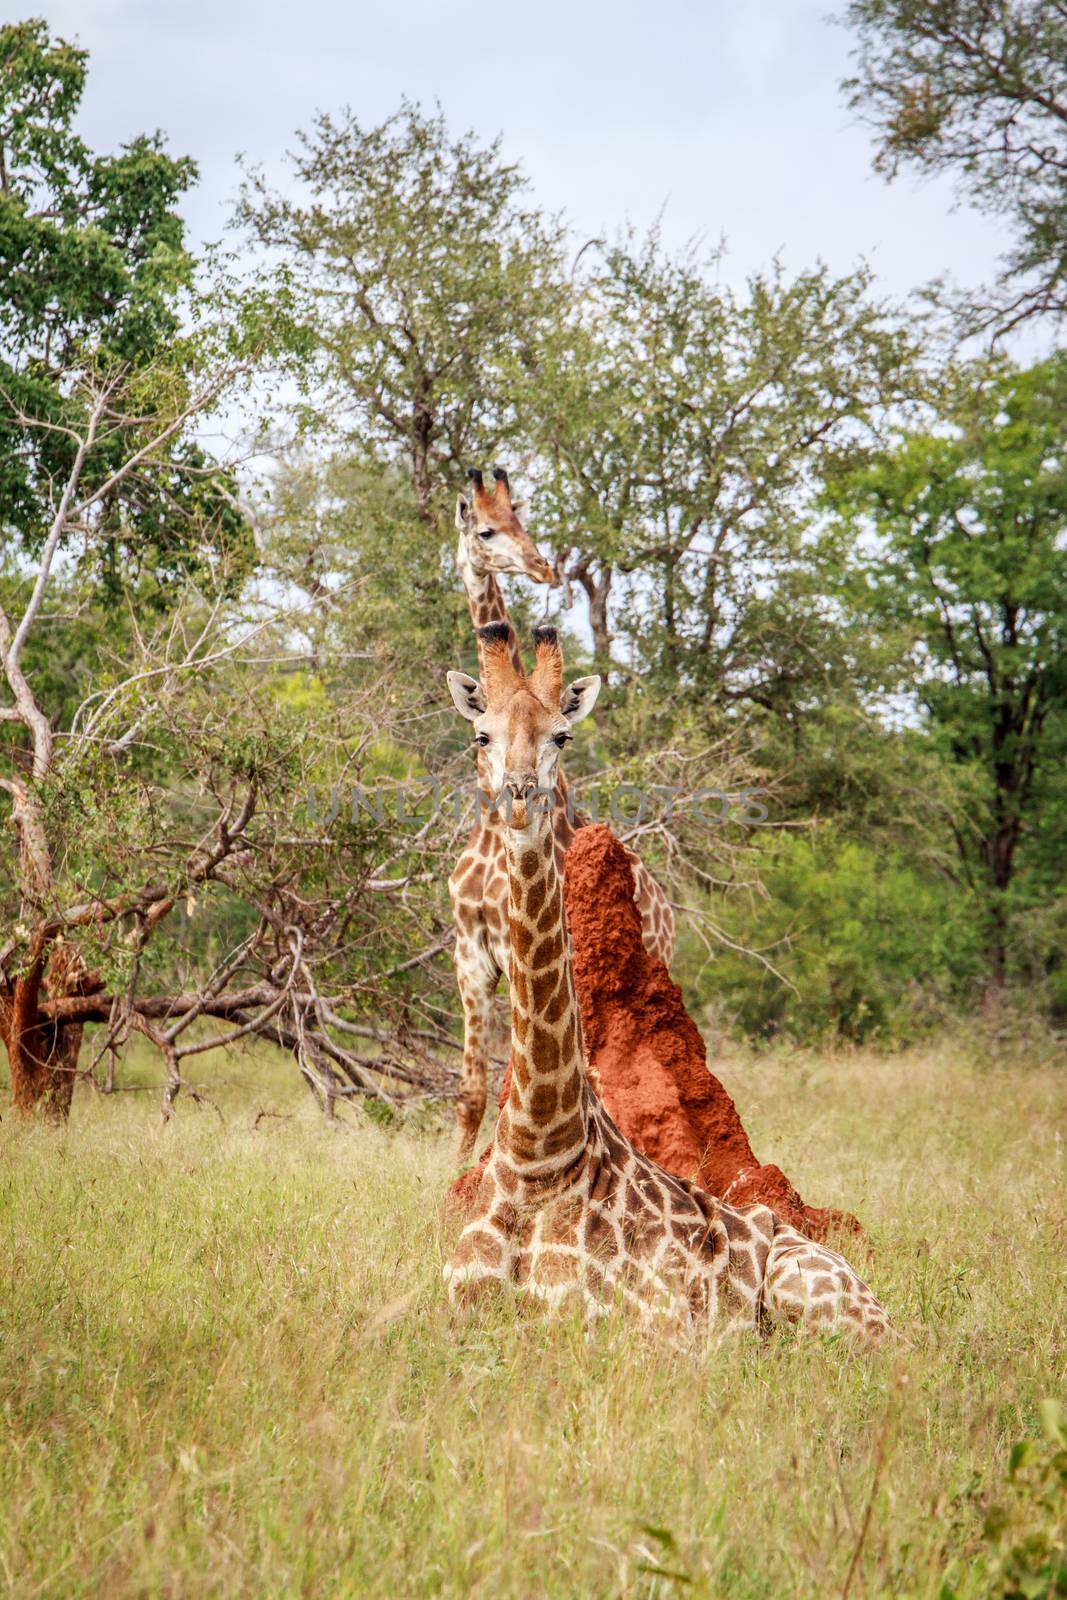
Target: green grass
{"x": 227, "y": 1366}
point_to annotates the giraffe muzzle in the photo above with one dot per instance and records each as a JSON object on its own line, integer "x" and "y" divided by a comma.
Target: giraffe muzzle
{"x": 521, "y": 785}
{"x": 521, "y": 790}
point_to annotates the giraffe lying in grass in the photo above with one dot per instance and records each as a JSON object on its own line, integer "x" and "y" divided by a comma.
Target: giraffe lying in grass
{"x": 492, "y": 540}
{"x": 566, "y": 1205}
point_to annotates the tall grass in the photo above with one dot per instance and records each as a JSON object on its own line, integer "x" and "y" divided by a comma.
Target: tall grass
{"x": 227, "y": 1366}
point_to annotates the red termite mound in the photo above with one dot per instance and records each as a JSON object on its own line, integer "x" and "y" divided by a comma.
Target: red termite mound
{"x": 646, "y": 1058}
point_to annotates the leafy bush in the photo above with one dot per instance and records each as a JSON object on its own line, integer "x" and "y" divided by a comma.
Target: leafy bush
{"x": 1025, "y": 1530}
{"x": 848, "y": 942}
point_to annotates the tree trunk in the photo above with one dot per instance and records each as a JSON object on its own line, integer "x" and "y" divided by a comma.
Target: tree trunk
{"x": 43, "y": 1054}
{"x": 422, "y": 431}
{"x": 670, "y": 619}
{"x": 996, "y": 963}
{"x": 597, "y": 586}
{"x": 998, "y": 849}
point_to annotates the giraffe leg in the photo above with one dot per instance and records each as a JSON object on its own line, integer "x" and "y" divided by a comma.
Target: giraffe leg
{"x": 810, "y": 1284}
{"x": 480, "y": 1262}
{"x": 654, "y": 909}
{"x": 477, "y": 975}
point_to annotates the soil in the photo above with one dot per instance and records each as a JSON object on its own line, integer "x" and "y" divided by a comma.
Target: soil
{"x": 646, "y": 1058}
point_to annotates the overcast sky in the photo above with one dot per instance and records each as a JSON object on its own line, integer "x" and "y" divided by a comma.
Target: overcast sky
{"x": 728, "y": 115}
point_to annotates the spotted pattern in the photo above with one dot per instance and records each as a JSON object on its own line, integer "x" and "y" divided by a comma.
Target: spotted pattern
{"x": 567, "y": 1207}
{"x": 478, "y": 889}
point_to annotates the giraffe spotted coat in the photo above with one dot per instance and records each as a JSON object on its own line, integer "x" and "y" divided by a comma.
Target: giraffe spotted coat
{"x": 492, "y": 540}
{"x": 566, "y": 1206}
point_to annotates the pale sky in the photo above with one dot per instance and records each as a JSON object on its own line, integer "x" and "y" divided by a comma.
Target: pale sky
{"x": 729, "y": 115}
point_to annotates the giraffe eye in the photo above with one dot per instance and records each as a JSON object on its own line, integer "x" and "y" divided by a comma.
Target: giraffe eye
{"x": 486, "y": 533}
{"x": 482, "y": 739}
{"x": 560, "y": 739}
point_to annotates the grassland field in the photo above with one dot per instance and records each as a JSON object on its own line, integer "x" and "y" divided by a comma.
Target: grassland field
{"x": 228, "y": 1368}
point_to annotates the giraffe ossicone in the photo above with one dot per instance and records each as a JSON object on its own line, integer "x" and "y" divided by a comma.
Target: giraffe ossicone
{"x": 566, "y": 1206}
{"x": 493, "y": 541}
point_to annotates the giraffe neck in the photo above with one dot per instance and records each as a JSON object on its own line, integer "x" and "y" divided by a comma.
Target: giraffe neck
{"x": 544, "y": 1127}
{"x": 486, "y": 603}
{"x": 484, "y": 595}
{"x": 485, "y": 600}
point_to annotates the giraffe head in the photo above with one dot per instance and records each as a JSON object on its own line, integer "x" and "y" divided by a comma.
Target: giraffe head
{"x": 491, "y": 536}
{"x": 522, "y": 722}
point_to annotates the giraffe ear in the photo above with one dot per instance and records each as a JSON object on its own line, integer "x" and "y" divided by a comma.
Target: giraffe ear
{"x": 579, "y": 698}
{"x": 463, "y": 512}
{"x": 467, "y": 694}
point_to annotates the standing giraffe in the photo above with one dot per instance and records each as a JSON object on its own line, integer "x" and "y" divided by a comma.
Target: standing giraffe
{"x": 566, "y": 1205}
{"x": 492, "y": 540}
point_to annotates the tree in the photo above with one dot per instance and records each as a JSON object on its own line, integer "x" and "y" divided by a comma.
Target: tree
{"x": 95, "y": 281}
{"x": 152, "y": 748}
{"x": 677, "y": 433}
{"x": 686, "y": 427}
{"x": 190, "y": 848}
{"x": 967, "y": 588}
{"x": 979, "y": 91}
{"x": 142, "y": 446}
{"x": 427, "y": 282}
{"x": 868, "y": 942}
{"x": 338, "y": 524}
{"x": 95, "y": 443}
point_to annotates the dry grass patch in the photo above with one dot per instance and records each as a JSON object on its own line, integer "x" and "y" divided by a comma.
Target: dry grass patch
{"x": 227, "y": 1368}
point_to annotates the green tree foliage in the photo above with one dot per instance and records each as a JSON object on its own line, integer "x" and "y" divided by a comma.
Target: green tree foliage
{"x": 685, "y": 426}
{"x": 677, "y": 433}
{"x": 94, "y": 279}
{"x": 965, "y": 583}
{"x": 802, "y": 570}
{"x": 846, "y": 940}
{"x": 345, "y": 532}
{"x": 144, "y": 744}
{"x": 428, "y": 280}
{"x": 978, "y": 91}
